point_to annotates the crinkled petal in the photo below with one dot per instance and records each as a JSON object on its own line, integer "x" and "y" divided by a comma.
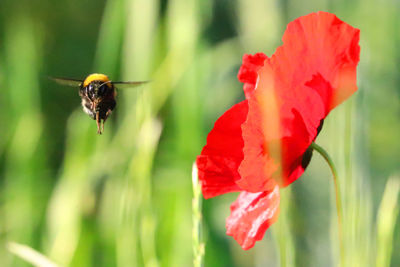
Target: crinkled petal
{"x": 258, "y": 165}
{"x": 311, "y": 73}
{"x": 220, "y": 158}
{"x": 248, "y": 71}
{"x": 251, "y": 215}
{"x": 315, "y": 68}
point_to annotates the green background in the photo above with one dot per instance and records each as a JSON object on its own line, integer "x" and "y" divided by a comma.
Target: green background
{"x": 125, "y": 198}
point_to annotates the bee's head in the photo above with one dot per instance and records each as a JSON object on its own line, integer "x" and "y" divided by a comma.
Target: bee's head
{"x": 96, "y": 85}
{"x": 97, "y": 89}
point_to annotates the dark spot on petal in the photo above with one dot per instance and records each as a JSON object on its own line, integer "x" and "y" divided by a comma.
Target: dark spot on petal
{"x": 306, "y": 157}
{"x": 321, "y": 123}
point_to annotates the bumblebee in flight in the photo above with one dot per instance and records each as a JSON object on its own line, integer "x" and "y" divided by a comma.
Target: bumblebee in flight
{"x": 98, "y": 95}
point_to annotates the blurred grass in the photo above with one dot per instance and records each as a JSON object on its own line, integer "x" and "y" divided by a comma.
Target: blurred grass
{"x": 386, "y": 221}
{"x": 30, "y": 255}
{"x": 124, "y": 198}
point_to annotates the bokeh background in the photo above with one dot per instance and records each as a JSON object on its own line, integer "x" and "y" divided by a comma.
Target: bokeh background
{"x": 125, "y": 198}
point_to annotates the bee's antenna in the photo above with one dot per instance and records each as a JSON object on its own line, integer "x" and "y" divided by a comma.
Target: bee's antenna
{"x": 104, "y": 83}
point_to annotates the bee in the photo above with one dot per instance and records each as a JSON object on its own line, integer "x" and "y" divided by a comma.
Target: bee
{"x": 98, "y": 93}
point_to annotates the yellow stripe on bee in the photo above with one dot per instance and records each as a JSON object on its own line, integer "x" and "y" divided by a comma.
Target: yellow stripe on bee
{"x": 96, "y": 77}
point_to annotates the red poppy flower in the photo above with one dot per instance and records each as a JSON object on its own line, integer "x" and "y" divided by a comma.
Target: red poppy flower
{"x": 262, "y": 143}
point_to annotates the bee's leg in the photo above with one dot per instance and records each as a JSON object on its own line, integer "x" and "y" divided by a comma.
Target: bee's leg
{"x": 105, "y": 118}
{"x": 98, "y": 122}
{"x": 107, "y": 114}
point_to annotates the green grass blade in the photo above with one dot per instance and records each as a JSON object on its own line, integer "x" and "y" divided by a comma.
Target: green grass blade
{"x": 386, "y": 221}
{"x": 30, "y": 255}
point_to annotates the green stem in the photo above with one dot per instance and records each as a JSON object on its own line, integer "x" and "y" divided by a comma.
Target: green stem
{"x": 328, "y": 159}
{"x": 198, "y": 244}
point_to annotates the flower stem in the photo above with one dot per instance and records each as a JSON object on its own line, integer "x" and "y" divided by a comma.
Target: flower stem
{"x": 198, "y": 245}
{"x": 328, "y": 159}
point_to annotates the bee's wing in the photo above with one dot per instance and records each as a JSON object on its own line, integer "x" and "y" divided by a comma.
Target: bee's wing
{"x": 122, "y": 85}
{"x": 67, "y": 81}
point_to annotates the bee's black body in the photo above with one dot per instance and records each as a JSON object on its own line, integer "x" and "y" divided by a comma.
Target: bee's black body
{"x": 98, "y": 95}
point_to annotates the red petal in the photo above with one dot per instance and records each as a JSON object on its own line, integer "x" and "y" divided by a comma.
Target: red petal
{"x": 258, "y": 166}
{"x": 220, "y": 158}
{"x": 312, "y": 72}
{"x": 248, "y": 71}
{"x": 251, "y": 215}
{"x": 317, "y": 65}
